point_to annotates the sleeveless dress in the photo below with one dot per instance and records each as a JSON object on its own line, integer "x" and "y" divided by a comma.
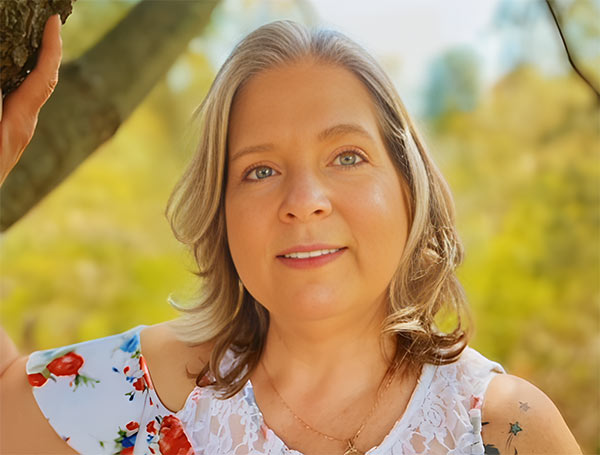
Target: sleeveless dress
{"x": 98, "y": 396}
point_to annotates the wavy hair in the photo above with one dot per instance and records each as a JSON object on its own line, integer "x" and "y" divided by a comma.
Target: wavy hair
{"x": 223, "y": 312}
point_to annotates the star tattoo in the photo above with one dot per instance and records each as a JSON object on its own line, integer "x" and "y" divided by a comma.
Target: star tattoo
{"x": 524, "y": 406}
{"x": 514, "y": 431}
{"x": 515, "y": 428}
{"x": 491, "y": 449}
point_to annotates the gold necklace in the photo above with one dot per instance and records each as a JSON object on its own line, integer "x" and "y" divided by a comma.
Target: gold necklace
{"x": 351, "y": 447}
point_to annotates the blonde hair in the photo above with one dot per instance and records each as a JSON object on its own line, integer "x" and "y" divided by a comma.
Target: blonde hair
{"x": 224, "y": 312}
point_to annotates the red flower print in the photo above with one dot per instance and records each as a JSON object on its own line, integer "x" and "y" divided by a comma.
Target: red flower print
{"x": 139, "y": 385}
{"x": 132, "y": 426}
{"x": 173, "y": 440}
{"x": 144, "y": 368}
{"x": 126, "y": 451}
{"x": 66, "y": 365}
{"x": 37, "y": 379}
{"x": 151, "y": 428}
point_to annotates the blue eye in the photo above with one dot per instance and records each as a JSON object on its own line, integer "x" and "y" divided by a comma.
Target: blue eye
{"x": 259, "y": 173}
{"x": 349, "y": 158}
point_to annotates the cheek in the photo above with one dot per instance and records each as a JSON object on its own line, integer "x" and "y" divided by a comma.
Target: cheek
{"x": 247, "y": 237}
{"x": 381, "y": 225}
{"x": 239, "y": 223}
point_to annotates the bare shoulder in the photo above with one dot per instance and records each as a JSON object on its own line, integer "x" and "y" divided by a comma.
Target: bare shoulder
{"x": 173, "y": 364}
{"x": 518, "y": 418}
{"x": 21, "y": 417}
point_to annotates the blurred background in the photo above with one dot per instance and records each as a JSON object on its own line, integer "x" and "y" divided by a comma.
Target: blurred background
{"x": 512, "y": 126}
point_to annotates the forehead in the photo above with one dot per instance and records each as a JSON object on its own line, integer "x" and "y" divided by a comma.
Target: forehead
{"x": 297, "y": 101}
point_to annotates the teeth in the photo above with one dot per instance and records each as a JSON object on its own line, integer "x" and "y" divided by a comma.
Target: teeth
{"x": 310, "y": 254}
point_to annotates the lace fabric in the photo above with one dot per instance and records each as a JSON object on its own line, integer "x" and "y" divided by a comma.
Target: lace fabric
{"x": 99, "y": 397}
{"x": 443, "y": 416}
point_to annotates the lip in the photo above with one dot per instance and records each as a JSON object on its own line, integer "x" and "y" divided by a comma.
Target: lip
{"x": 309, "y": 263}
{"x": 305, "y": 248}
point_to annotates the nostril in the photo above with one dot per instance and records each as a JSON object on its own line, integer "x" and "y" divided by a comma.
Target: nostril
{"x": 304, "y": 206}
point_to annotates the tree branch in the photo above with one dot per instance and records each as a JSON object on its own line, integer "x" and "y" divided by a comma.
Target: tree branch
{"x": 569, "y": 55}
{"x": 96, "y": 93}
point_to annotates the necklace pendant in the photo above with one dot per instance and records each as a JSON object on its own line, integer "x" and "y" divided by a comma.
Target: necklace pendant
{"x": 352, "y": 450}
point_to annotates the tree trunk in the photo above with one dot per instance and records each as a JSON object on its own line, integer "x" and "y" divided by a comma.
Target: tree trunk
{"x": 95, "y": 95}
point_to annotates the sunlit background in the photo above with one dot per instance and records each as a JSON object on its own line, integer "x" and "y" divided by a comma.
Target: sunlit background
{"x": 513, "y": 128}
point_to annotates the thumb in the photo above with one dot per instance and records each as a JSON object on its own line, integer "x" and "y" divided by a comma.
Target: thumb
{"x": 39, "y": 84}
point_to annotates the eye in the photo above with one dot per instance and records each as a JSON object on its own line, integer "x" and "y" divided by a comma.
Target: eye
{"x": 259, "y": 173}
{"x": 349, "y": 158}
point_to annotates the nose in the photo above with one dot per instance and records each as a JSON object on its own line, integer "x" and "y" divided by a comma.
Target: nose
{"x": 305, "y": 198}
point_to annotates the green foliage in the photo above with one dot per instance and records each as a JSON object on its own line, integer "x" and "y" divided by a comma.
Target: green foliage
{"x": 97, "y": 256}
{"x": 524, "y": 169}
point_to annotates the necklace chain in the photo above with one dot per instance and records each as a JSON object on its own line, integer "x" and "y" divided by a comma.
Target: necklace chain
{"x": 351, "y": 448}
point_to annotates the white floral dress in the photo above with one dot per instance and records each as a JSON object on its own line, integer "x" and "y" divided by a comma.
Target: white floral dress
{"x": 98, "y": 396}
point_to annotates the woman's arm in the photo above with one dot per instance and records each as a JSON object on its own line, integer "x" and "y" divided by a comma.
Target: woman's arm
{"x": 23, "y": 427}
{"x": 19, "y": 110}
{"x": 518, "y": 418}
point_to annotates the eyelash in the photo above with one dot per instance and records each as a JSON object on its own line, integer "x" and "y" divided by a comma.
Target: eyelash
{"x": 356, "y": 152}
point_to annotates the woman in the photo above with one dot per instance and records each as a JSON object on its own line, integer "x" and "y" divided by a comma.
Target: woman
{"x": 325, "y": 238}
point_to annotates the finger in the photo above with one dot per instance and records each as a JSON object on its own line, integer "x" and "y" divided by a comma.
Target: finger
{"x": 39, "y": 84}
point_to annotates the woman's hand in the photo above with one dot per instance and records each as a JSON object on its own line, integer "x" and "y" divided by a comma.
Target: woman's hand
{"x": 18, "y": 116}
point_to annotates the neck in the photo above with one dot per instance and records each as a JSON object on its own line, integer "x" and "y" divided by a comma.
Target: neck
{"x": 328, "y": 353}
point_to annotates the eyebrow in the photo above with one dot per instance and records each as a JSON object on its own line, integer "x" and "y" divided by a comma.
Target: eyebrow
{"x": 329, "y": 133}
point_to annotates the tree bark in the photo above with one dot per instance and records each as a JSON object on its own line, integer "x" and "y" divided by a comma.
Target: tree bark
{"x": 95, "y": 95}
{"x": 21, "y": 29}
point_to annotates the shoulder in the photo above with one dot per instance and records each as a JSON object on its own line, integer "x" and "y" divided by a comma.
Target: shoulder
{"x": 46, "y": 392}
{"x": 469, "y": 375}
{"x": 173, "y": 364}
{"x": 21, "y": 417}
{"x": 520, "y": 418}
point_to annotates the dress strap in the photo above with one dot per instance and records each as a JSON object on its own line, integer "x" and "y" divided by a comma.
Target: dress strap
{"x": 477, "y": 447}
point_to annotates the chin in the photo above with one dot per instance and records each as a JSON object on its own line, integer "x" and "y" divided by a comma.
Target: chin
{"x": 314, "y": 304}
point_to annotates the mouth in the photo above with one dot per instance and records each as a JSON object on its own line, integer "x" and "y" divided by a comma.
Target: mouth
{"x": 310, "y": 254}
{"x": 315, "y": 257}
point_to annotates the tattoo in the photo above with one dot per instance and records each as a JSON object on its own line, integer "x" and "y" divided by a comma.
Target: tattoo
{"x": 514, "y": 431}
{"x": 491, "y": 449}
{"x": 515, "y": 428}
{"x": 524, "y": 406}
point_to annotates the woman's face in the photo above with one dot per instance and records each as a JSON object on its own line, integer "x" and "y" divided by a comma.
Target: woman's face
{"x": 308, "y": 173}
